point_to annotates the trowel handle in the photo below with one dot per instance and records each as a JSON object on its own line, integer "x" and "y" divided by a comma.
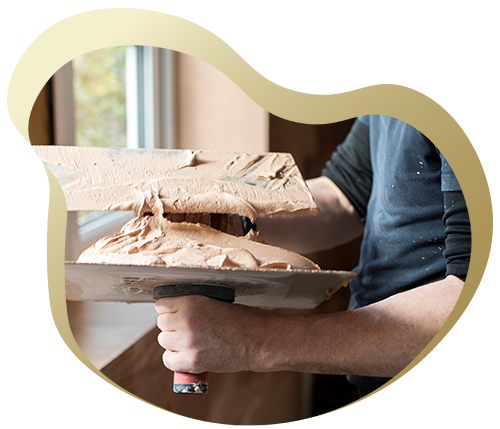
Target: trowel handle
{"x": 185, "y": 382}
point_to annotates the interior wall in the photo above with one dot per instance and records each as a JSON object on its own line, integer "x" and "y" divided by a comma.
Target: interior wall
{"x": 40, "y": 122}
{"x": 213, "y": 113}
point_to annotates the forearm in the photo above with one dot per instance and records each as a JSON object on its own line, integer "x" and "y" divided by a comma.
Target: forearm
{"x": 336, "y": 224}
{"x": 377, "y": 340}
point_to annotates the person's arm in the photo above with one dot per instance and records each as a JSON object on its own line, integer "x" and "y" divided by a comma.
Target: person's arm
{"x": 341, "y": 193}
{"x": 201, "y": 334}
{"x": 336, "y": 224}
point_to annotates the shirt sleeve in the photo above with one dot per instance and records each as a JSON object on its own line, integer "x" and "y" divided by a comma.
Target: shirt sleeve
{"x": 458, "y": 234}
{"x": 457, "y": 224}
{"x": 449, "y": 182}
{"x": 350, "y": 168}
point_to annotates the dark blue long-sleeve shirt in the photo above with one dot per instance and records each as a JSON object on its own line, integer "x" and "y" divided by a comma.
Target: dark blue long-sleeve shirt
{"x": 417, "y": 228}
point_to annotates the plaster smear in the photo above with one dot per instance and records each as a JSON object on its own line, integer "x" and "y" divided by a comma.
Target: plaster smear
{"x": 154, "y": 240}
{"x": 156, "y": 182}
{"x": 184, "y": 181}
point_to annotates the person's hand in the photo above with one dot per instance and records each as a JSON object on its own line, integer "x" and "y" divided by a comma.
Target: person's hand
{"x": 203, "y": 218}
{"x": 229, "y": 223}
{"x": 203, "y": 334}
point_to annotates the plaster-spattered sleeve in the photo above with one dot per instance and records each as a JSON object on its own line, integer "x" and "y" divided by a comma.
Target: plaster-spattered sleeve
{"x": 457, "y": 223}
{"x": 350, "y": 168}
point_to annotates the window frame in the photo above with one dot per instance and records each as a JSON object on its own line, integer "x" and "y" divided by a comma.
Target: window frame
{"x": 150, "y": 118}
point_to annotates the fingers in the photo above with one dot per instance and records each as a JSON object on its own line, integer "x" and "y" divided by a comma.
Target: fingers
{"x": 176, "y": 361}
{"x": 169, "y": 357}
{"x": 178, "y": 356}
{"x": 176, "y": 217}
{"x": 169, "y": 341}
{"x": 167, "y": 322}
{"x": 168, "y": 305}
{"x": 215, "y": 220}
{"x": 203, "y": 218}
{"x": 182, "y": 360}
{"x": 193, "y": 217}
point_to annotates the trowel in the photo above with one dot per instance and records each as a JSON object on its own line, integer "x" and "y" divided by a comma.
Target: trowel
{"x": 266, "y": 184}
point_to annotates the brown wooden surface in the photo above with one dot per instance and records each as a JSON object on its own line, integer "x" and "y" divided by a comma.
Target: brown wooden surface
{"x": 244, "y": 398}
{"x": 241, "y": 398}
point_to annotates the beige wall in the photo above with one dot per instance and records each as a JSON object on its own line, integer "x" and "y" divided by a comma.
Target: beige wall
{"x": 40, "y": 123}
{"x": 214, "y": 113}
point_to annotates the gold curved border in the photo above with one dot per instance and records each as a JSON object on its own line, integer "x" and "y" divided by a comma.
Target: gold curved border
{"x": 70, "y": 38}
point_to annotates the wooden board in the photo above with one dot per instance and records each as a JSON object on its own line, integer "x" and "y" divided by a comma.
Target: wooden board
{"x": 294, "y": 289}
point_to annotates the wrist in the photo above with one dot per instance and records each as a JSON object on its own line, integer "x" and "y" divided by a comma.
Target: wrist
{"x": 277, "y": 342}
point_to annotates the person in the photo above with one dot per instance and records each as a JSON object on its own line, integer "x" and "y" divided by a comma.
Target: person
{"x": 388, "y": 182}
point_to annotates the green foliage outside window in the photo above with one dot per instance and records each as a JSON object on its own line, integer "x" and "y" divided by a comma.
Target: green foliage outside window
{"x": 100, "y": 103}
{"x": 99, "y": 97}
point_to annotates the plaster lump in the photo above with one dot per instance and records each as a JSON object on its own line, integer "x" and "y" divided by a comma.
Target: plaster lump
{"x": 151, "y": 239}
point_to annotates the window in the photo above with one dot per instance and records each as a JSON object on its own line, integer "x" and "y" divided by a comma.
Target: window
{"x": 123, "y": 97}
{"x": 120, "y": 97}
{"x": 99, "y": 92}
